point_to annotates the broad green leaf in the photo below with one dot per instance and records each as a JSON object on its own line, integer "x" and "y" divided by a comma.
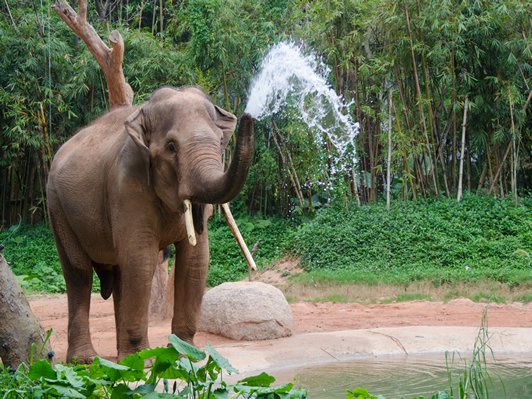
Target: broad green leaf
{"x": 147, "y": 353}
{"x": 248, "y": 227}
{"x": 134, "y": 362}
{"x": 263, "y": 390}
{"x": 70, "y": 375}
{"x": 41, "y": 368}
{"x": 360, "y": 393}
{"x": 220, "y": 393}
{"x": 109, "y": 364}
{"x": 99, "y": 382}
{"x": 263, "y": 223}
{"x": 186, "y": 349}
{"x": 142, "y": 389}
{"x": 119, "y": 392}
{"x": 262, "y": 380}
{"x": 114, "y": 372}
{"x": 221, "y": 361}
{"x": 67, "y": 392}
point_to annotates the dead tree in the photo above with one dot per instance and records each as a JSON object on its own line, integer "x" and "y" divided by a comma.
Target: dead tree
{"x": 19, "y": 328}
{"x": 109, "y": 59}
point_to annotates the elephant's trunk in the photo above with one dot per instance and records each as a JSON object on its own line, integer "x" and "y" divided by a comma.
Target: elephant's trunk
{"x": 223, "y": 188}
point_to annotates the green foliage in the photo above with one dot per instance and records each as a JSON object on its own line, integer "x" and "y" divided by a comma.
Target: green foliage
{"x": 479, "y": 237}
{"x": 227, "y": 261}
{"x": 26, "y": 246}
{"x": 129, "y": 379}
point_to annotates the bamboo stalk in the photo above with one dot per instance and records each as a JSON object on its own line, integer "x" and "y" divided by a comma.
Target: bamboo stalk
{"x": 355, "y": 185}
{"x": 161, "y": 16}
{"x": 500, "y": 168}
{"x": 459, "y": 196}
{"x": 514, "y": 155}
{"x": 418, "y": 92}
{"x": 11, "y": 16}
{"x": 404, "y": 155}
{"x": 299, "y": 195}
{"x": 388, "y": 174}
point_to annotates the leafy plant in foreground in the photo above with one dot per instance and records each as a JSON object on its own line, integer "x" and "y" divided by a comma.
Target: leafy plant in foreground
{"x": 129, "y": 379}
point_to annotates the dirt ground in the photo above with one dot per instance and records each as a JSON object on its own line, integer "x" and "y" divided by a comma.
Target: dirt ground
{"x": 309, "y": 317}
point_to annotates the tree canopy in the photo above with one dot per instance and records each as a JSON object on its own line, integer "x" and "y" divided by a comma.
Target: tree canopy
{"x": 414, "y": 63}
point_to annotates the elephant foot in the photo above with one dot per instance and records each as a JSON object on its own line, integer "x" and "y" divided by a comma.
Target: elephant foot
{"x": 81, "y": 356}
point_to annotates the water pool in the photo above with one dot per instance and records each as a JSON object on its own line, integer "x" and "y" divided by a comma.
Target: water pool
{"x": 408, "y": 376}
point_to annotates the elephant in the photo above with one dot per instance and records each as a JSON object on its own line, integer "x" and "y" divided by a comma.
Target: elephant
{"x": 117, "y": 194}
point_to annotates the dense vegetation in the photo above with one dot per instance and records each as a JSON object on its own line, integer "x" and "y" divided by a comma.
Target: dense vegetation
{"x": 432, "y": 240}
{"x": 410, "y": 68}
{"x": 445, "y": 240}
{"x": 33, "y": 256}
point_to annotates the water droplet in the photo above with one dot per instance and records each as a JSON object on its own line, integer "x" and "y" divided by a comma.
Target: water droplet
{"x": 288, "y": 77}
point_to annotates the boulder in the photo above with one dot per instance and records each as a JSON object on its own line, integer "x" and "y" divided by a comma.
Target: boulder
{"x": 249, "y": 311}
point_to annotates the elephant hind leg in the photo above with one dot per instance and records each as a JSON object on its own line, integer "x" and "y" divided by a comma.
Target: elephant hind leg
{"x": 77, "y": 271}
{"x": 105, "y": 274}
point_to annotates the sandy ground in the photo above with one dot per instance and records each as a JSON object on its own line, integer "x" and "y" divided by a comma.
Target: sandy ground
{"x": 316, "y": 324}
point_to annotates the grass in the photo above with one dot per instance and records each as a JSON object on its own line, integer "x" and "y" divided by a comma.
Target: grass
{"x": 308, "y": 287}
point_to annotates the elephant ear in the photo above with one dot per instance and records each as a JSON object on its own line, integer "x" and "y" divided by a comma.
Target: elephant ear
{"x": 227, "y": 122}
{"x": 135, "y": 126}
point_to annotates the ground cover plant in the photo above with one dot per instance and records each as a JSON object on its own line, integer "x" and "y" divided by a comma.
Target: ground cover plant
{"x": 438, "y": 240}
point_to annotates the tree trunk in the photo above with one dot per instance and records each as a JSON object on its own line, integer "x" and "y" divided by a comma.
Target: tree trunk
{"x": 19, "y": 328}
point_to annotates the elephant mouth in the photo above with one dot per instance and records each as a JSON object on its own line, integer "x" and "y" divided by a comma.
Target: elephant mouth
{"x": 189, "y": 222}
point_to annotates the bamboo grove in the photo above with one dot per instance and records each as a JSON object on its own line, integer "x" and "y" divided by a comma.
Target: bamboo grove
{"x": 441, "y": 90}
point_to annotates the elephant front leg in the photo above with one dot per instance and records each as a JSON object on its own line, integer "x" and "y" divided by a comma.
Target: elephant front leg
{"x": 191, "y": 269}
{"x": 131, "y": 294}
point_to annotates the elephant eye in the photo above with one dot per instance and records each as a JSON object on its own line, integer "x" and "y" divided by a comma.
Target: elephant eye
{"x": 171, "y": 147}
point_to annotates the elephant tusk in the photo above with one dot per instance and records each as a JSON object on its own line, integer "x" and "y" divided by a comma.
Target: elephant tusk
{"x": 189, "y": 223}
{"x": 236, "y": 233}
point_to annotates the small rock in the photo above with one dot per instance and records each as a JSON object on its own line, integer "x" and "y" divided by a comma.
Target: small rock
{"x": 249, "y": 311}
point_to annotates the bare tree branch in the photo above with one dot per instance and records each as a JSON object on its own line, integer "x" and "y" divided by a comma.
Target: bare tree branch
{"x": 110, "y": 60}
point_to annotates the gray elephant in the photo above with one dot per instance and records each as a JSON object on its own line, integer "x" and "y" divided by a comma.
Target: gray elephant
{"x": 117, "y": 195}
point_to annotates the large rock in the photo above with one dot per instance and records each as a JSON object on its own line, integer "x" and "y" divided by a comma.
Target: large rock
{"x": 246, "y": 311}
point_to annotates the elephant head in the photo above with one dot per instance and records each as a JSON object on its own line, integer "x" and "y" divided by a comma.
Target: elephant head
{"x": 181, "y": 137}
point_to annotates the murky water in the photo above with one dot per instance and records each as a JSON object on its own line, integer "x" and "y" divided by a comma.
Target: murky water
{"x": 409, "y": 376}
{"x": 287, "y": 77}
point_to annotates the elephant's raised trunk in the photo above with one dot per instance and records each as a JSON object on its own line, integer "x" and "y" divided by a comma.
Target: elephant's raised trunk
{"x": 225, "y": 187}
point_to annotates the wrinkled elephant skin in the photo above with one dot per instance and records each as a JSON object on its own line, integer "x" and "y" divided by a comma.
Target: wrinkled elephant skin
{"x": 115, "y": 197}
